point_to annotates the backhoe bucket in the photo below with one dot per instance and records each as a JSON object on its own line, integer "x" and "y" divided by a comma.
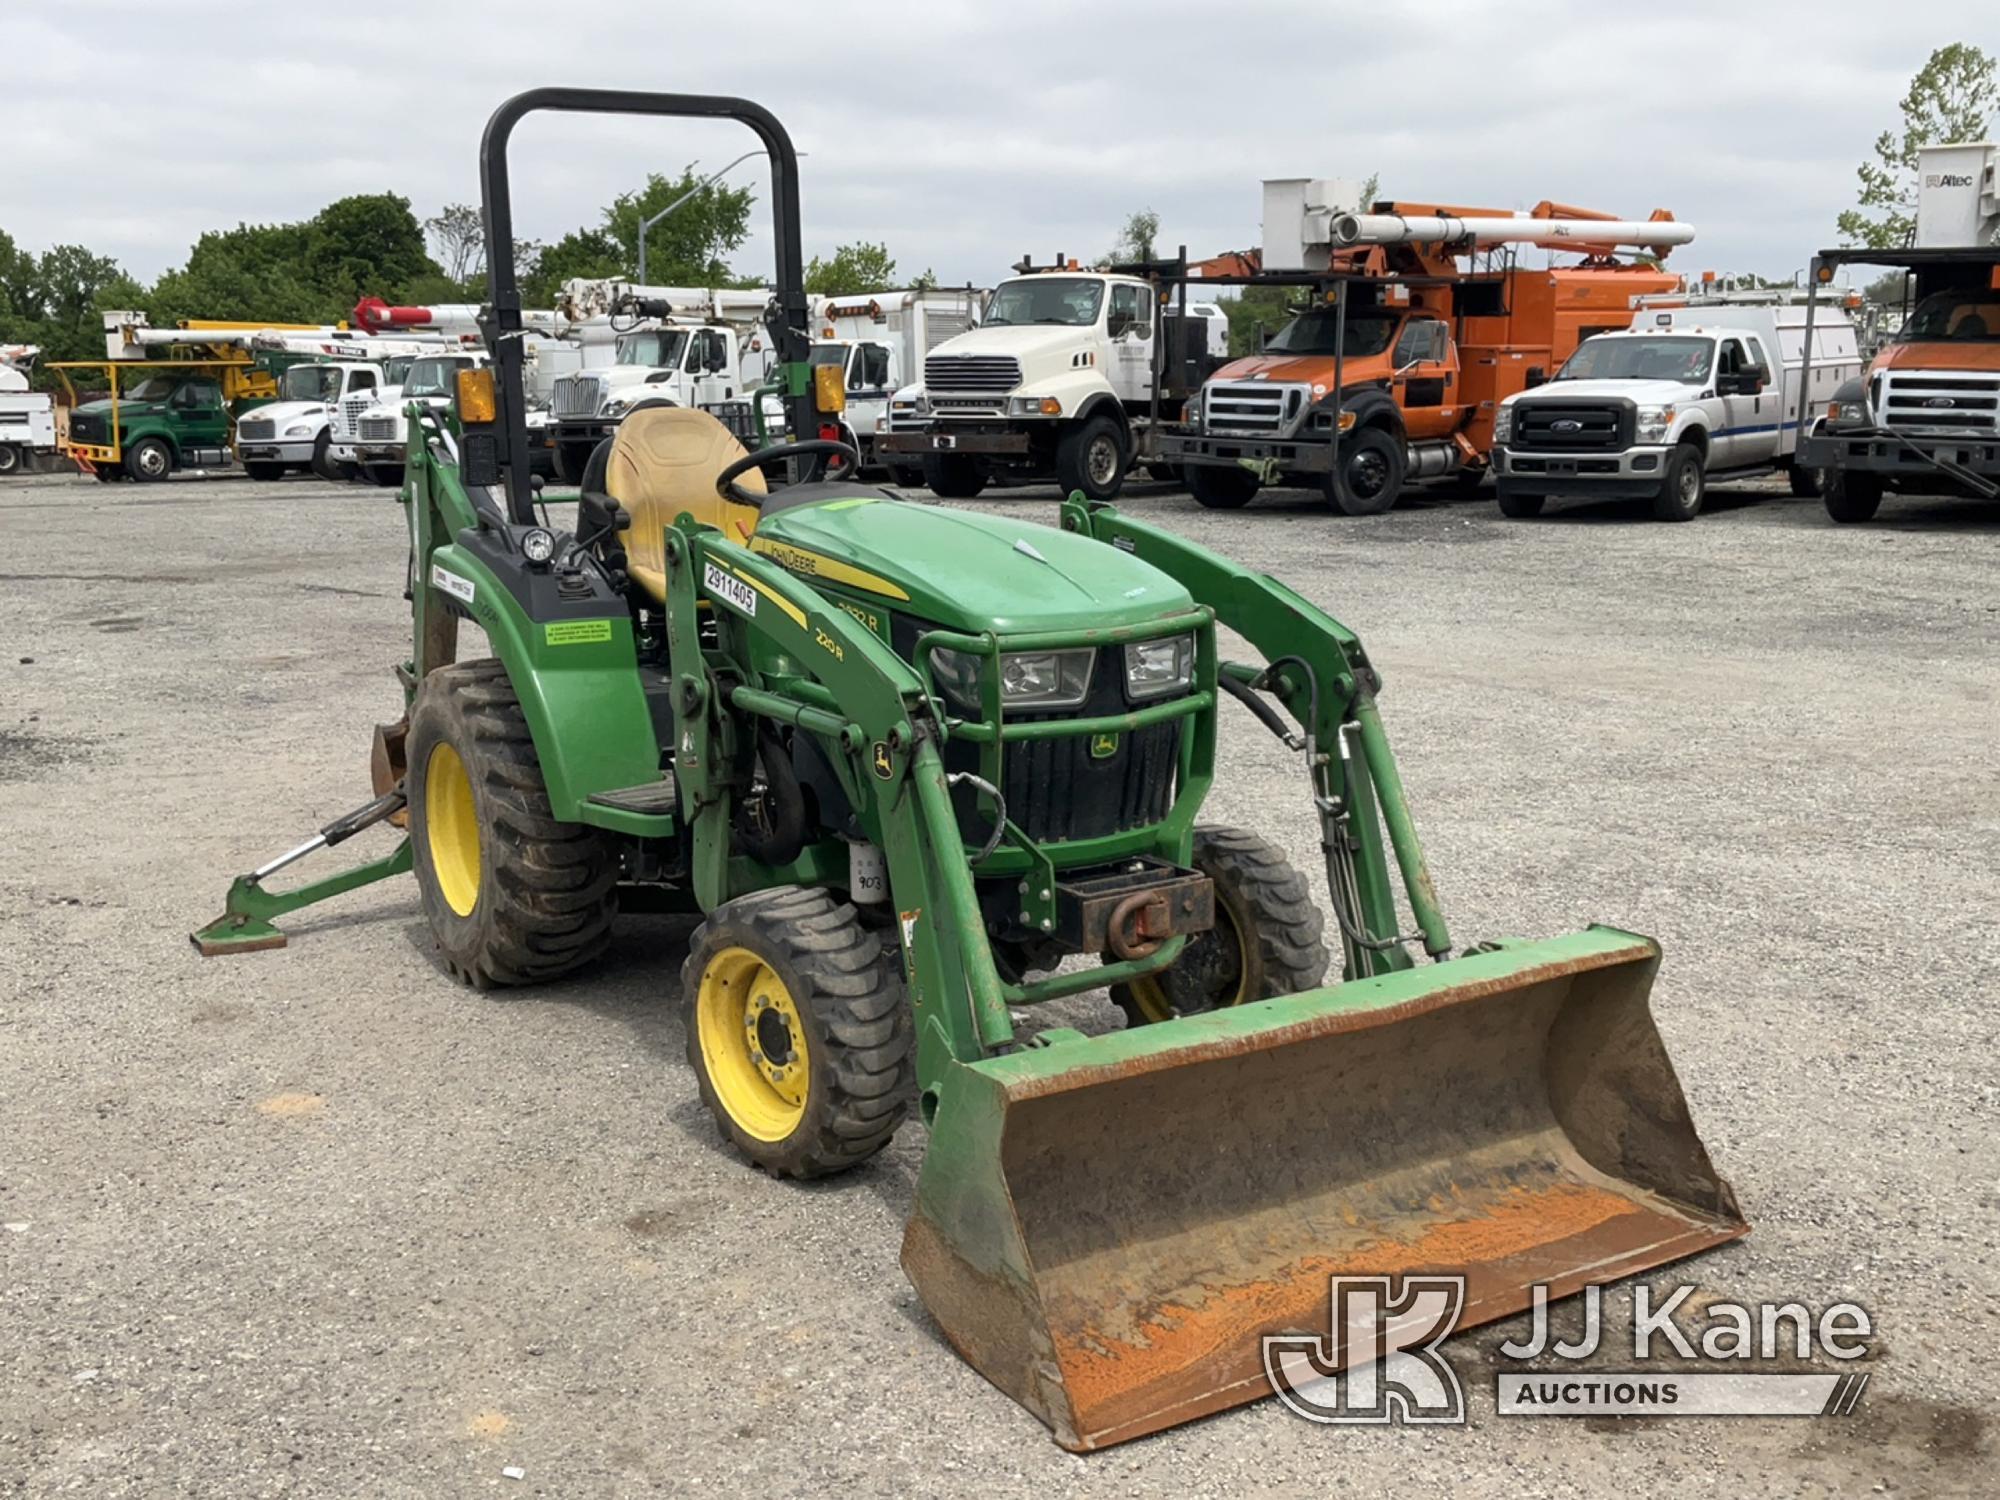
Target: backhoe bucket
{"x": 1107, "y": 1227}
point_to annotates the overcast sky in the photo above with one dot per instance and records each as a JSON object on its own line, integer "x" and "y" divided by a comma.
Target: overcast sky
{"x": 963, "y": 134}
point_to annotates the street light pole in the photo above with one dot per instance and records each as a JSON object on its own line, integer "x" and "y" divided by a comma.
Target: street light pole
{"x": 646, "y": 225}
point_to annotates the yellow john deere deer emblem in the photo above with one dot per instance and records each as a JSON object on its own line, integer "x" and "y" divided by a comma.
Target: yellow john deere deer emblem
{"x": 1103, "y": 746}
{"x": 883, "y": 767}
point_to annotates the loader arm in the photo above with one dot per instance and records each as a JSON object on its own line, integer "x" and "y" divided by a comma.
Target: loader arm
{"x": 1319, "y": 670}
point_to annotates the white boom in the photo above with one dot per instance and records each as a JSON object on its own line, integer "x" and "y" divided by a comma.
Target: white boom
{"x": 585, "y": 298}
{"x": 1448, "y": 229}
{"x": 127, "y": 336}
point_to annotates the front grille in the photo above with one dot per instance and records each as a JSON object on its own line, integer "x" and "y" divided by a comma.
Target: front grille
{"x": 1255, "y": 408}
{"x": 971, "y": 372}
{"x": 379, "y": 429}
{"x": 965, "y": 406}
{"x": 1958, "y": 405}
{"x": 576, "y": 396}
{"x": 256, "y": 430}
{"x": 349, "y": 414}
{"x": 89, "y": 427}
{"x": 1572, "y": 426}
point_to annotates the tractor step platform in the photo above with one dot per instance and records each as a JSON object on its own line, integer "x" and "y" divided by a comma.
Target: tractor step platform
{"x": 648, "y": 810}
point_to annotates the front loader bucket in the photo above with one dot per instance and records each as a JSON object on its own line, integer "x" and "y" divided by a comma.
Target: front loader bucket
{"x": 1106, "y": 1228}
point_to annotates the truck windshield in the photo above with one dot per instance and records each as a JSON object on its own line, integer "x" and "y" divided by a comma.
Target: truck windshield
{"x": 1684, "y": 360}
{"x": 1071, "y": 301}
{"x": 659, "y": 348}
{"x": 152, "y": 388}
{"x": 433, "y": 377}
{"x": 1314, "y": 332}
{"x": 395, "y": 371}
{"x": 828, "y": 354}
{"x": 309, "y": 383}
{"x": 1955, "y": 315}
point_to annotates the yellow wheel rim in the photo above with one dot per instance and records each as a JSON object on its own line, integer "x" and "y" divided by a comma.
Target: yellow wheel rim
{"x": 451, "y": 827}
{"x": 753, "y": 1044}
{"x": 1151, "y": 997}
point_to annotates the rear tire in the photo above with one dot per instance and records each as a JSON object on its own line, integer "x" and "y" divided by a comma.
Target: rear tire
{"x": 148, "y": 461}
{"x": 1518, "y": 507}
{"x": 1257, "y": 894}
{"x": 1091, "y": 458}
{"x": 264, "y": 473}
{"x": 512, "y": 895}
{"x": 1804, "y": 482}
{"x": 1217, "y": 488}
{"x": 1683, "y": 487}
{"x": 10, "y": 458}
{"x": 954, "y": 476}
{"x": 1370, "y": 477}
{"x": 793, "y": 968}
{"x": 1850, "y": 497}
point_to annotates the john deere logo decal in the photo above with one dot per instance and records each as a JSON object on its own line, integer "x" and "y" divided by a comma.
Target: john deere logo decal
{"x": 884, "y": 768}
{"x": 1103, "y": 746}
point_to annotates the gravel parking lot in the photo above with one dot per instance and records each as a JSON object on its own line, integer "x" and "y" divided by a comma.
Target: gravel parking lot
{"x": 318, "y": 1222}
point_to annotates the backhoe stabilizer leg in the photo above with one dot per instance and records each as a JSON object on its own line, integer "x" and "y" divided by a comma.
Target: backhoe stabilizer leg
{"x": 245, "y": 923}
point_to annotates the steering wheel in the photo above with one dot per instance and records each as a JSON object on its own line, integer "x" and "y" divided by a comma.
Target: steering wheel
{"x": 727, "y": 487}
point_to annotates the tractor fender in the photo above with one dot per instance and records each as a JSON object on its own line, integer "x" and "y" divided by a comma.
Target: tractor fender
{"x": 577, "y": 678}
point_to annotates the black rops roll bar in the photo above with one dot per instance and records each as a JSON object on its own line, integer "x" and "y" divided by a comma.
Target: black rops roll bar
{"x": 790, "y": 329}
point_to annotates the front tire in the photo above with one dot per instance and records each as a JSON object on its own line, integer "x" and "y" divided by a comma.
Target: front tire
{"x": 321, "y": 464}
{"x": 1218, "y": 488}
{"x": 149, "y": 460}
{"x": 1804, "y": 482}
{"x": 1370, "y": 477}
{"x": 512, "y": 895}
{"x": 1519, "y": 507}
{"x": 1684, "y": 486}
{"x": 10, "y": 458}
{"x": 383, "y": 476}
{"x": 1265, "y": 942}
{"x": 264, "y": 473}
{"x": 1091, "y": 458}
{"x": 799, "y": 1031}
{"x": 904, "y": 477}
{"x": 954, "y": 476}
{"x": 1850, "y": 497}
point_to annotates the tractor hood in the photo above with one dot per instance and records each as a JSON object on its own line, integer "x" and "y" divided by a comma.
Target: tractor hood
{"x": 967, "y": 571}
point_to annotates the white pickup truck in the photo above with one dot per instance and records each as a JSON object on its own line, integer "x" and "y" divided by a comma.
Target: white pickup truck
{"x": 1687, "y": 394}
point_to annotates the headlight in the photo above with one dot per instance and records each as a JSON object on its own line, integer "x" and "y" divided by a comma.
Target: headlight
{"x": 538, "y": 545}
{"x": 1028, "y": 679}
{"x": 1503, "y": 424}
{"x": 299, "y": 429}
{"x": 1033, "y": 406}
{"x": 1154, "y": 669}
{"x": 1654, "y": 423}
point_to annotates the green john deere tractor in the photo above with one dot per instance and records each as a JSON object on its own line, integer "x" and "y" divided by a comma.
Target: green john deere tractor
{"x": 906, "y": 761}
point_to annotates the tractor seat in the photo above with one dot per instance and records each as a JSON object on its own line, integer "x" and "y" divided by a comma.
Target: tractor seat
{"x": 663, "y": 462}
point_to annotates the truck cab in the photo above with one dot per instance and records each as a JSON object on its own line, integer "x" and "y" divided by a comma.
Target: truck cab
{"x": 295, "y": 432}
{"x": 165, "y": 420}
{"x": 382, "y": 429}
{"x": 1659, "y": 410}
{"x": 1051, "y": 384}
{"x": 1269, "y": 418}
{"x": 27, "y": 417}
{"x": 696, "y": 365}
{"x": 871, "y": 374}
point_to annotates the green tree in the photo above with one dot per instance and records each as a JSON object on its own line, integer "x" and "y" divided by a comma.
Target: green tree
{"x": 853, "y": 269}
{"x": 581, "y": 252}
{"x": 1952, "y": 98}
{"x": 70, "y": 280}
{"x": 1255, "y": 313}
{"x": 1136, "y": 241}
{"x": 690, "y": 245}
{"x": 457, "y": 235}
{"x": 252, "y": 273}
{"x": 369, "y": 244}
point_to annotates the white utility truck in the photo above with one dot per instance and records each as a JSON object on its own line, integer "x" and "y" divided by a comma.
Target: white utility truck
{"x": 1057, "y": 381}
{"x": 880, "y": 341}
{"x": 381, "y": 430}
{"x": 27, "y": 417}
{"x": 296, "y": 431}
{"x": 1703, "y": 389}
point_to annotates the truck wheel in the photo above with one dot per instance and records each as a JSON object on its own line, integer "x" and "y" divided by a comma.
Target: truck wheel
{"x": 149, "y": 460}
{"x": 264, "y": 473}
{"x": 10, "y": 458}
{"x": 954, "y": 476}
{"x": 1219, "y": 488}
{"x": 1519, "y": 507}
{"x": 383, "y": 476}
{"x": 798, "y": 1030}
{"x": 1091, "y": 457}
{"x": 321, "y": 465}
{"x": 570, "y": 459}
{"x": 512, "y": 896}
{"x": 1370, "y": 477}
{"x": 1265, "y": 941}
{"x": 1804, "y": 482}
{"x": 1681, "y": 491}
{"x": 906, "y": 478}
{"x": 1850, "y": 497}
